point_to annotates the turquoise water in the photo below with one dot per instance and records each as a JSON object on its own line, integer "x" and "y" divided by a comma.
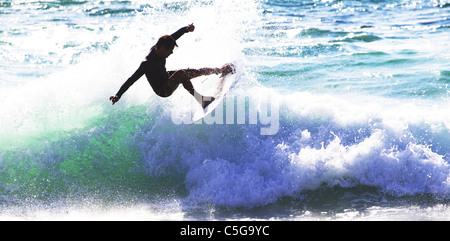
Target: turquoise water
{"x": 360, "y": 89}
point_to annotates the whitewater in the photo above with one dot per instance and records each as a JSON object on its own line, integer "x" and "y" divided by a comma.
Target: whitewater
{"x": 355, "y": 95}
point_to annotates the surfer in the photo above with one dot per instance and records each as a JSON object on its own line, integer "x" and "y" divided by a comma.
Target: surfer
{"x": 163, "y": 82}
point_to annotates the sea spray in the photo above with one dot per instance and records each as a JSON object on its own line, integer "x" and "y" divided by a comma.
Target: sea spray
{"x": 237, "y": 110}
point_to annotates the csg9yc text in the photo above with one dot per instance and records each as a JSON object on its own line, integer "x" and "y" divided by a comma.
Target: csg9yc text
{"x": 246, "y": 230}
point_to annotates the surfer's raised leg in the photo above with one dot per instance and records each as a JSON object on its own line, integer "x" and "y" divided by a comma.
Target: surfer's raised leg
{"x": 224, "y": 70}
{"x": 185, "y": 79}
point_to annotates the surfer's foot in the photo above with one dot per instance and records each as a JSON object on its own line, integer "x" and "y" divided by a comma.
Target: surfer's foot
{"x": 228, "y": 69}
{"x": 207, "y": 101}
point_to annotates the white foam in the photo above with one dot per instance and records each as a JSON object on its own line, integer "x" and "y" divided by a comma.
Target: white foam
{"x": 164, "y": 211}
{"x": 323, "y": 140}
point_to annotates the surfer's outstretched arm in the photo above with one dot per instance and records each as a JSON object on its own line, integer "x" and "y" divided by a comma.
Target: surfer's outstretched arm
{"x": 138, "y": 74}
{"x": 183, "y": 30}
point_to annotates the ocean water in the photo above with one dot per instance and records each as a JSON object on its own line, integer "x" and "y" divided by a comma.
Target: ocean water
{"x": 356, "y": 91}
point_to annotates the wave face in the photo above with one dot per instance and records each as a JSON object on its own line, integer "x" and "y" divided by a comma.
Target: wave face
{"x": 340, "y": 110}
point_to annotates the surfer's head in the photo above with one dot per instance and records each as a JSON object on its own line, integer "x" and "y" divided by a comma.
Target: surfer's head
{"x": 165, "y": 46}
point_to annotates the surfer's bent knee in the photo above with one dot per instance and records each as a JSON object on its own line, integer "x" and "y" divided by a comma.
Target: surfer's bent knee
{"x": 181, "y": 76}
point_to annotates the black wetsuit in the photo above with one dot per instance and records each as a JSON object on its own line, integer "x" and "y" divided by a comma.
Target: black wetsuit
{"x": 154, "y": 68}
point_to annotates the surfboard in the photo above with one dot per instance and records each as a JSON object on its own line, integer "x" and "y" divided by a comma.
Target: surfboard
{"x": 220, "y": 86}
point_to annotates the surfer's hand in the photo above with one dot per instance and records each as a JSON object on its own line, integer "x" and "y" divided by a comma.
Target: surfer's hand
{"x": 191, "y": 27}
{"x": 114, "y": 99}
